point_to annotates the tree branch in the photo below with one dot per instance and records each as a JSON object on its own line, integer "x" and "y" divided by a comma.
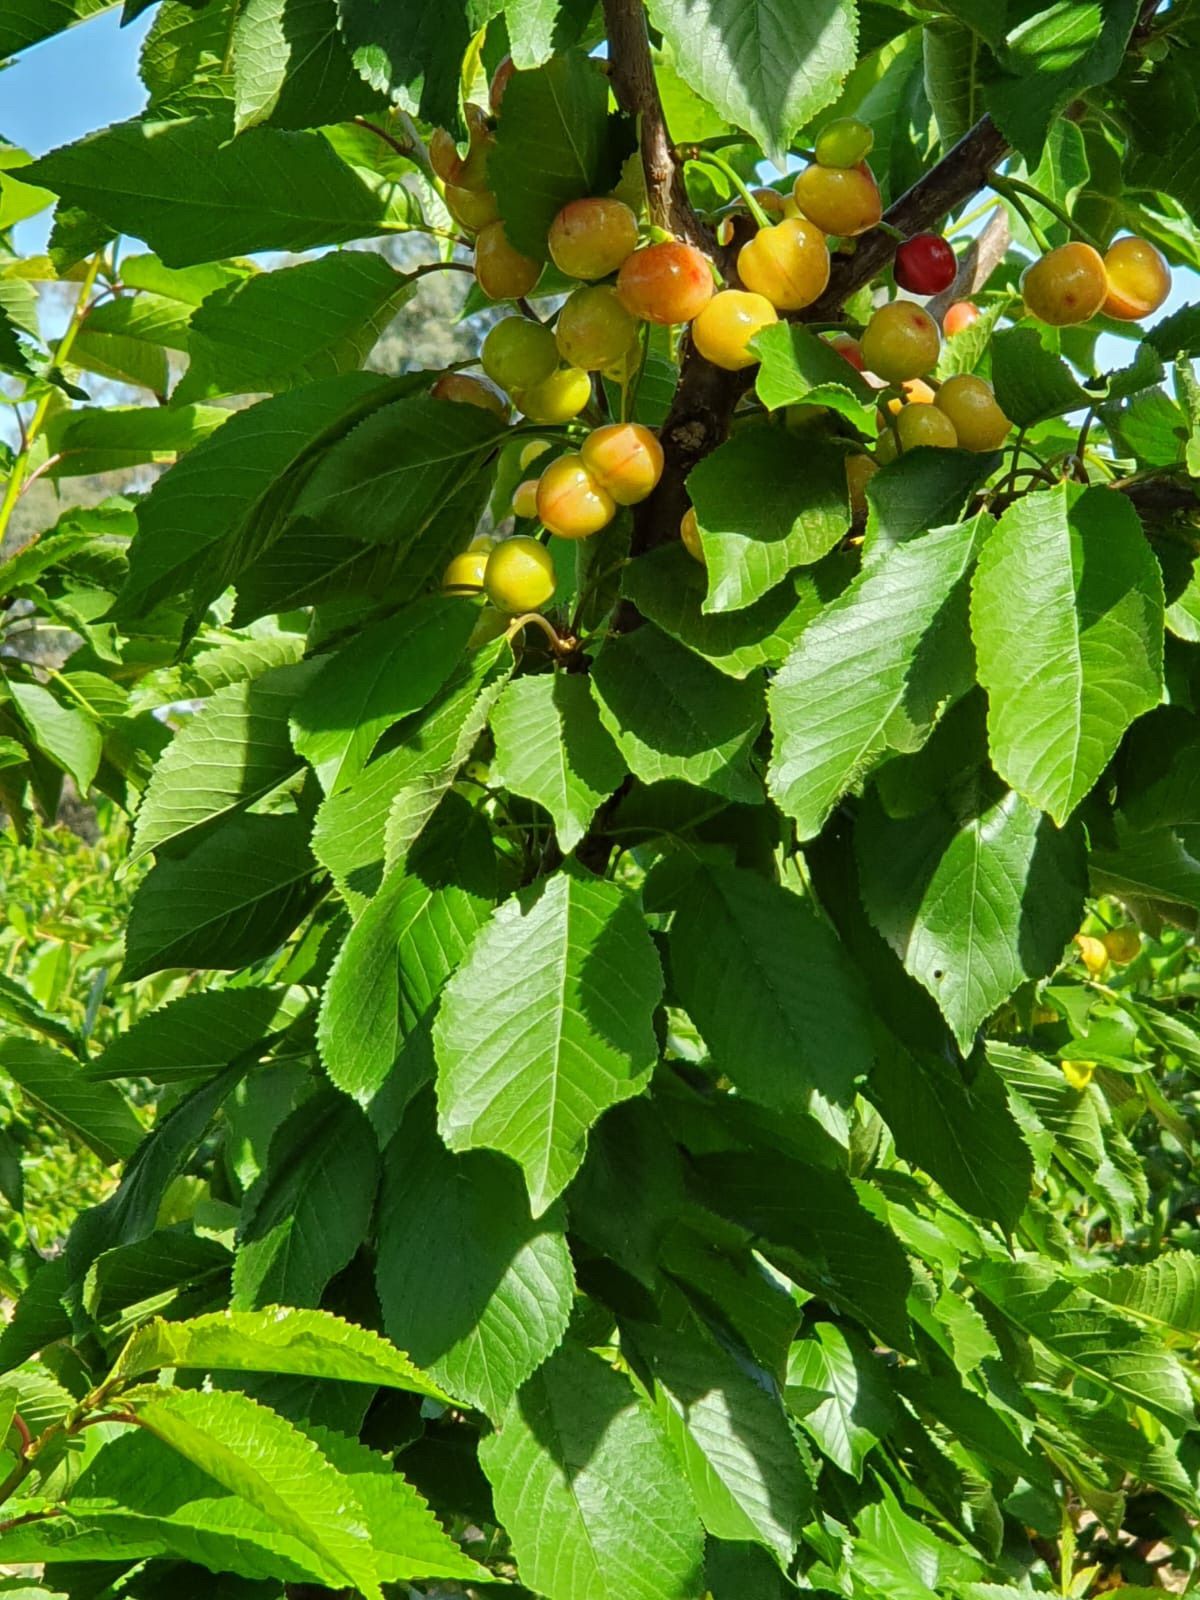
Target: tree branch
{"x": 985, "y": 254}
{"x": 637, "y": 95}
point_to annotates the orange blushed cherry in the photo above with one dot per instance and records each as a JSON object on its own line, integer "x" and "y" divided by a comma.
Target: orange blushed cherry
{"x": 464, "y": 172}
{"x": 841, "y": 200}
{"x": 920, "y": 424}
{"x": 519, "y": 575}
{"x": 625, "y": 459}
{"x": 591, "y": 238}
{"x": 1066, "y": 286}
{"x": 502, "y": 272}
{"x": 723, "y": 330}
{"x": 569, "y": 500}
{"x": 971, "y": 406}
{"x": 464, "y": 390}
{"x": 594, "y": 329}
{"x": 668, "y": 282}
{"x": 1139, "y": 279}
{"x": 788, "y": 264}
{"x": 901, "y": 341}
{"x": 960, "y": 316}
{"x": 689, "y": 532}
{"x": 524, "y": 500}
{"x": 848, "y": 347}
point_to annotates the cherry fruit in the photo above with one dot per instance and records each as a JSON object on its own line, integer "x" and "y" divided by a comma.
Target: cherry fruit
{"x": 518, "y": 352}
{"x": 971, "y": 406}
{"x": 500, "y": 82}
{"x": 960, "y": 316}
{"x": 860, "y": 469}
{"x": 625, "y": 459}
{"x": 689, "y": 532}
{"x": 925, "y": 264}
{"x": 594, "y": 329}
{"x": 591, "y": 238}
{"x": 557, "y": 398}
{"x": 524, "y": 500}
{"x": 1122, "y": 944}
{"x": 787, "y": 264}
{"x": 667, "y": 283}
{"x": 1139, "y": 279}
{"x": 844, "y": 142}
{"x": 519, "y": 575}
{"x": 464, "y": 573}
{"x": 469, "y": 171}
{"x": 472, "y": 209}
{"x": 848, "y": 347}
{"x": 464, "y": 390}
{"x": 570, "y": 502}
{"x": 1066, "y": 286}
{"x": 502, "y": 272}
{"x": 841, "y": 200}
{"x": 920, "y": 424}
{"x": 901, "y": 341}
{"x": 723, "y": 330}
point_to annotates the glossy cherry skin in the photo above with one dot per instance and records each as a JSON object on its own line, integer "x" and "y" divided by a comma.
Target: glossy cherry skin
{"x": 625, "y": 458}
{"x": 1066, "y": 286}
{"x": 464, "y": 574}
{"x": 518, "y": 352}
{"x": 689, "y": 532}
{"x": 901, "y": 341}
{"x": 848, "y": 347}
{"x": 464, "y": 390}
{"x": 1139, "y": 279}
{"x": 594, "y": 330}
{"x": 469, "y": 171}
{"x": 925, "y": 264}
{"x": 723, "y": 330}
{"x": 924, "y": 424}
{"x": 787, "y": 264}
{"x": 971, "y": 406}
{"x": 591, "y": 238}
{"x": 524, "y": 500}
{"x": 502, "y": 272}
{"x": 472, "y": 209}
{"x": 569, "y": 500}
{"x": 531, "y": 452}
{"x": 557, "y": 398}
{"x": 841, "y": 200}
{"x": 666, "y": 283}
{"x": 960, "y": 316}
{"x": 1122, "y": 944}
{"x": 519, "y": 575}
{"x": 1092, "y": 953}
{"x": 844, "y": 142}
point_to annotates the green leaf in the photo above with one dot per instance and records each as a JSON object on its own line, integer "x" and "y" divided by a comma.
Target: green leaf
{"x": 232, "y": 752}
{"x": 556, "y": 144}
{"x": 775, "y": 996}
{"x": 233, "y": 900}
{"x": 194, "y": 1037}
{"x": 91, "y": 440}
{"x": 799, "y": 368}
{"x": 975, "y": 896}
{"x": 291, "y": 326}
{"x": 311, "y": 1343}
{"x": 953, "y": 1120}
{"x": 1164, "y": 1293}
{"x": 764, "y": 507}
{"x": 872, "y": 672}
{"x": 668, "y": 588}
{"x": 485, "y": 1328}
{"x": 384, "y": 673}
{"x": 1067, "y": 616}
{"x": 259, "y": 1456}
{"x": 387, "y": 479}
{"x": 410, "y": 938}
{"x": 1118, "y": 1443}
{"x": 1031, "y": 383}
{"x": 552, "y": 748}
{"x": 223, "y": 488}
{"x": 921, "y": 490}
{"x": 94, "y": 1113}
{"x": 414, "y": 54}
{"x": 135, "y": 358}
{"x": 539, "y": 28}
{"x": 953, "y": 80}
{"x": 304, "y": 1220}
{"x": 65, "y": 734}
{"x": 585, "y": 1483}
{"x": 829, "y": 1241}
{"x": 31, "y": 21}
{"x": 194, "y": 195}
{"x": 855, "y": 1409}
{"x": 531, "y": 1042}
{"x": 362, "y": 831}
{"x": 764, "y": 70}
{"x": 1087, "y": 1336}
{"x": 725, "y": 1422}
{"x": 291, "y": 67}
{"x": 19, "y": 1006}
{"x": 673, "y": 716}
{"x": 13, "y": 356}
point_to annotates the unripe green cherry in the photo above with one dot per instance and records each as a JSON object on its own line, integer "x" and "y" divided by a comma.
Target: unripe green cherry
{"x": 519, "y": 575}
{"x": 464, "y": 573}
{"x": 569, "y": 500}
{"x": 502, "y": 272}
{"x": 591, "y": 238}
{"x": 518, "y": 353}
{"x": 971, "y": 406}
{"x": 464, "y": 390}
{"x": 625, "y": 458}
{"x": 925, "y": 424}
{"x": 557, "y": 398}
{"x": 844, "y": 142}
{"x": 901, "y": 341}
{"x": 594, "y": 329}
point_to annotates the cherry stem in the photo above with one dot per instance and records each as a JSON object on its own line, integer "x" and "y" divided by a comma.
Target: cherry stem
{"x": 518, "y": 624}
{"x": 1013, "y": 188}
{"x": 892, "y": 232}
{"x": 710, "y": 158}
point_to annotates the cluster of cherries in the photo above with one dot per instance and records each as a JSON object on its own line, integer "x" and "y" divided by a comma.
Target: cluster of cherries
{"x": 546, "y": 372}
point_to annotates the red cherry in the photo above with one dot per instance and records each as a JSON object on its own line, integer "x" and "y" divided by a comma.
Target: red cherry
{"x": 960, "y": 315}
{"x": 925, "y": 264}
